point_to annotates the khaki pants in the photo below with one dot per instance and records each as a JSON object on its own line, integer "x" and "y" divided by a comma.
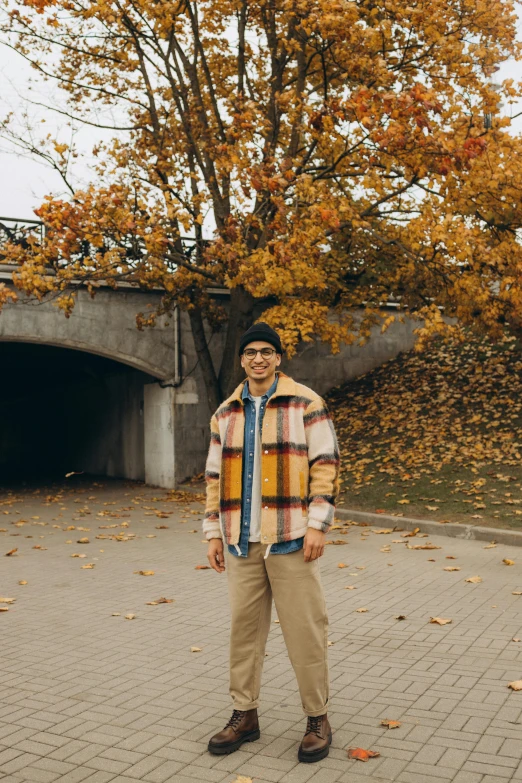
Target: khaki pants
{"x": 298, "y": 594}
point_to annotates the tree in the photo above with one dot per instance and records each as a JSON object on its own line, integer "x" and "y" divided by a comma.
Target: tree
{"x": 312, "y": 156}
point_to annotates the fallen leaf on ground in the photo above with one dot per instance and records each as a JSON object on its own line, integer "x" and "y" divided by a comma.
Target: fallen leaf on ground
{"x": 411, "y": 533}
{"x": 516, "y": 685}
{"x": 22, "y": 582}
{"x": 517, "y": 592}
{"x": 515, "y": 639}
{"x": 75, "y": 554}
{"x": 361, "y": 754}
{"x": 507, "y": 561}
{"x": 88, "y": 565}
{"x": 391, "y": 724}
{"x": 400, "y": 617}
{"x": 489, "y": 546}
{"x": 423, "y": 546}
{"x": 202, "y": 567}
{"x": 160, "y": 601}
{"x": 351, "y": 587}
{"x": 83, "y": 541}
{"x": 195, "y": 649}
{"x": 474, "y": 579}
{"x": 4, "y": 608}
{"x": 7, "y": 600}
{"x": 451, "y": 568}
{"x": 130, "y": 616}
{"x": 331, "y": 644}
{"x": 342, "y": 565}
{"x": 242, "y": 779}
{"x": 440, "y": 620}
{"x": 116, "y": 614}
{"x": 363, "y": 609}
{"x": 144, "y": 573}
{"x": 12, "y": 552}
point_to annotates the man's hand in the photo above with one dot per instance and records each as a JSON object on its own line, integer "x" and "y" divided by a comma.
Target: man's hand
{"x": 313, "y": 545}
{"x": 215, "y": 554}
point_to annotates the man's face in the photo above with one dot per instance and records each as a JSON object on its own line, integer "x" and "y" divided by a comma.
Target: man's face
{"x": 257, "y": 366}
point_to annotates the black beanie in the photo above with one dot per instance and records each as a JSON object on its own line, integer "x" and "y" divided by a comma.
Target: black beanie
{"x": 260, "y": 331}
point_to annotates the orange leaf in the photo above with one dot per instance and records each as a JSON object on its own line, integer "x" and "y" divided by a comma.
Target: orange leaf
{"x": 361, "y": 754}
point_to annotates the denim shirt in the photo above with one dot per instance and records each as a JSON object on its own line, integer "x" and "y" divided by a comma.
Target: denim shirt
{"x": 248, "y": 471}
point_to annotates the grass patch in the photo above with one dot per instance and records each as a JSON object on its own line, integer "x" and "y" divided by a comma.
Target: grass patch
{"x": 436, "y": 435}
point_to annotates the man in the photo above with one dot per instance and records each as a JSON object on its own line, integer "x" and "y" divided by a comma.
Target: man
{"x": 272, "y": 479}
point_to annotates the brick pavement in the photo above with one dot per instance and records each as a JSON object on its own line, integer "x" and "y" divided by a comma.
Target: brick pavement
{"x": 87, "y": 697}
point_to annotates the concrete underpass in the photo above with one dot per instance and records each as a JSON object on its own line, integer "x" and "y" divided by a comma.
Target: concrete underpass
{"x": 66, "y": 410}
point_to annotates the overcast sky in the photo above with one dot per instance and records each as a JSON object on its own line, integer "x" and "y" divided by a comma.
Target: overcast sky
{"x": 24, "y": 182}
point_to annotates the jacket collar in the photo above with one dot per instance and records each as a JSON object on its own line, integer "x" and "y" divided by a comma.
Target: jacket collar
{"x": 286, "y": 387}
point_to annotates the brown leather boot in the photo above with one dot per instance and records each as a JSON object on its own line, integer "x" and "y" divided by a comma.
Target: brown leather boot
{"x": 243, "y": 726}
{"x": 316, "y": 741}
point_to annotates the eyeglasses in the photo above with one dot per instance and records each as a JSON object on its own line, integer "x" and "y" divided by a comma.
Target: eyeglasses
{"x": 266, "y": 353}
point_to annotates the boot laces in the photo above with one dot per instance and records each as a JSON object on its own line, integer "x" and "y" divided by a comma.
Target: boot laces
{"x": 314, "y": 725}
{"x": 235, "y": 720}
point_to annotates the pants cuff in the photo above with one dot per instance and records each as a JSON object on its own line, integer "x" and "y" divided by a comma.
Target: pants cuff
{"x": 252, "y": 705}
{"x": 315, "y": 713}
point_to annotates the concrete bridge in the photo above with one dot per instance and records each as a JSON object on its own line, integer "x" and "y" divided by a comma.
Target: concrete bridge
{"x": 92, "y": 393}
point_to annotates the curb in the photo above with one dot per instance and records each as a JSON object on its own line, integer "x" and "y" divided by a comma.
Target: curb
{"x": 451, "y": 529}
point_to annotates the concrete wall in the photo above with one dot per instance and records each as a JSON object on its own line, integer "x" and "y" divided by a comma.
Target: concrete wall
{"x": 160, "y": 435}
{"x": 315, "y": 365}
{"x": 105, "y": 325}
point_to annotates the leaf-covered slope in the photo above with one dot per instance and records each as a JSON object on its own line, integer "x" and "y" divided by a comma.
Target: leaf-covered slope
{"x": 449, "y": 417}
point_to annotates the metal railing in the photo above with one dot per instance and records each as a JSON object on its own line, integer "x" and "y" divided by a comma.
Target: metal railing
{"x": 18, "y": 231}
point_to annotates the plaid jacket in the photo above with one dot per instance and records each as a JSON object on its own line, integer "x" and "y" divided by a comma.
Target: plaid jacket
{"x": 299, "y": 465}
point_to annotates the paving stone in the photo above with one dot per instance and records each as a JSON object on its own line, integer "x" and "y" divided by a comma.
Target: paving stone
{"x": 511, "y": 747}
{"x": 143, "y": 767}
{"x": 37, "y": 775}
{"x": 98, "y": 707}
{"x": 18, "y": 763}
{"x": 165, "y": 771}
{"x": 467, "y": 777}
{"x": 454, "y": 758}
{"x": 76, "y": 775}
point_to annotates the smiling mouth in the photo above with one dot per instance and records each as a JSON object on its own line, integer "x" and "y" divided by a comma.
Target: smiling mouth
{"x": 259, "y": 368}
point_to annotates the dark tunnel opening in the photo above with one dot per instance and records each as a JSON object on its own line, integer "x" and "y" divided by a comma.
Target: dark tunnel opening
{"x": 65, "y": 410}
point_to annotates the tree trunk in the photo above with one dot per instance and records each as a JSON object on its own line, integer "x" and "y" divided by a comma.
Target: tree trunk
{"x": 205, "y": 359}
{"x": 240, "y": 318}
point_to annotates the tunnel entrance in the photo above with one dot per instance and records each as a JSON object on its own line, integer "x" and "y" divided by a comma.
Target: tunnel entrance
{"x": 65, "y": 410}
